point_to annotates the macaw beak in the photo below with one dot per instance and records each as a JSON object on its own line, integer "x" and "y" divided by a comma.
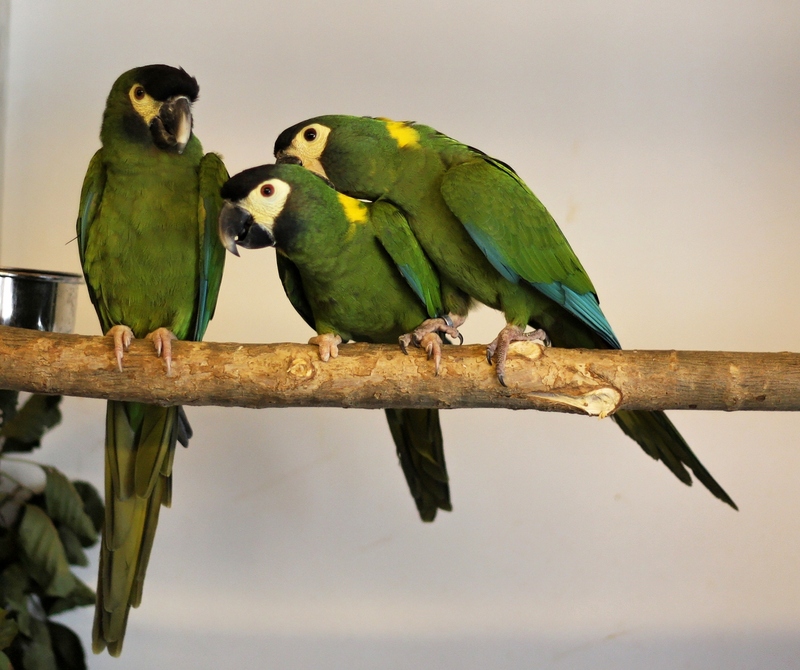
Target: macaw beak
{"x": 172, "y": 126}
{"x": 313, "y": 164}
{"x": 284, "y": 157}
{"x": 238, "y": 228}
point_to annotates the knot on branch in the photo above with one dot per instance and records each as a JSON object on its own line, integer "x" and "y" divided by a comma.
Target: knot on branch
{"x": 595, "y": 382}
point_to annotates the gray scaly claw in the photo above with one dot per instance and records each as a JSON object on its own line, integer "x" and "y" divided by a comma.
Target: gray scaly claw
{"x": 497, "y": 351}
{"x": 427, "y": 336}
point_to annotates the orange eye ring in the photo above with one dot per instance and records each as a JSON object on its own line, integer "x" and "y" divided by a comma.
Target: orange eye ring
{"x": 267, "y": 190}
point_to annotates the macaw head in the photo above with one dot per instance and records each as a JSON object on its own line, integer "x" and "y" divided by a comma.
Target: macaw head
{"x": 151, "y": 106}
{"x": 358, "y": 154}
{"x": 274, "y": 205}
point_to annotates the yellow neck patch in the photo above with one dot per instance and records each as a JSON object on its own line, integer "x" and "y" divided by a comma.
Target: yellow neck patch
{"x": 402, "y": 133}
{"x": 354, "y": 210}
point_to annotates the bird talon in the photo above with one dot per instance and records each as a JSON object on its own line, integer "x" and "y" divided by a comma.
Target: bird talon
{"x": 497, "y": 351}
{"x": 162, "y": 342}
{"x": 427, "y": 336}
{"x": 437, "y": 361}
{"x": 122, "y": 336}
{"x": 490, "y": 351}
{"x": 327, "y": 344}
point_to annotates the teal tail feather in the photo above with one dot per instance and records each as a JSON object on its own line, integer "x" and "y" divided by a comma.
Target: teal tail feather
{"x": 659, "y": 438}
{"x": 418, "y": 438}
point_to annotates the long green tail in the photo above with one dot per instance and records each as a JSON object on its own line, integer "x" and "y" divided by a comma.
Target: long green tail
{"x": 659, "y": 438}
{"x": 418, "y": 438}
{"x": 140, "y": 447}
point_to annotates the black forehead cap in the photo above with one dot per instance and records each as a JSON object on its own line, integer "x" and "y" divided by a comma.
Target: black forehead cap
{"x": 239, "y": 186}
{"x": 162, "y": 82}
{"x": 286, "y": 137}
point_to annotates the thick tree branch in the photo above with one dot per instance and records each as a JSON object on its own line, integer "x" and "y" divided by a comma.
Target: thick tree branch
{"x": 291, "y": 375}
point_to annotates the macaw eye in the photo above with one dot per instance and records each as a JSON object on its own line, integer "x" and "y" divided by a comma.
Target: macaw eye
{"x": 310, "y": 134}
{"x": 267, "y": 190}
{"x": 139, "y": 93}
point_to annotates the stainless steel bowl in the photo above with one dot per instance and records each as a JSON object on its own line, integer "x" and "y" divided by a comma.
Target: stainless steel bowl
{"x": 38, "y": 300}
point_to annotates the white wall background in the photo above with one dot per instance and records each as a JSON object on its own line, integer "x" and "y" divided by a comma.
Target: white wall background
{"x": 665, "y": 139}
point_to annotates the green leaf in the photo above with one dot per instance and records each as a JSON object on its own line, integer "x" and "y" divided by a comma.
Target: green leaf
{"x": 8, "y": 405}
{"x": 65, "y": 505}
{"x": 5, "y": 664}
{"x": 8, "y": 544}
{"x": 38, "y": 653}
{"x": 8, "y": 629}
{"x": 92, "y": 504}
{"x": 16, "y": 586}
{"x": 38, "y": 415}
{"x": 72, "y": 547}
{"x": 80, "y": 596}
{"x": 67, "y": 647}
{"x": 44, "y": 554}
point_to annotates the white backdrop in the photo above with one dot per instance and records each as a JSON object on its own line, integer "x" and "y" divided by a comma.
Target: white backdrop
{"x": 665, "y": 141}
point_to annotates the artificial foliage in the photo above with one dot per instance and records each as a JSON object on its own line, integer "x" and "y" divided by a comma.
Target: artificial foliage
{"x": 44, "y": 529}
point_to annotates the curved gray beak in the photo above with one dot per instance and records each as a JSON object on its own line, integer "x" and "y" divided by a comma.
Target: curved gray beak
{"x": 283, "y": 157}
{"x": 172, "y": 126}
{"x": 237, "y": 228}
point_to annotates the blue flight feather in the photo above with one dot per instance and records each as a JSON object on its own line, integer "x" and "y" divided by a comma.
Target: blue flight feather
{"x": 413, "y": 281}
{"x": 585, "y": 307}
{"x": 484, "y": 242}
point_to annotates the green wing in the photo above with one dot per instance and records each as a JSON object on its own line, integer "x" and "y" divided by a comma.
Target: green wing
{"x": 212, "y": 175}
{"x": 520, "y": 238}
{"x": 91, "y": 196}
{"x": 293, "y": 286}
{"x": 394, "y": 233}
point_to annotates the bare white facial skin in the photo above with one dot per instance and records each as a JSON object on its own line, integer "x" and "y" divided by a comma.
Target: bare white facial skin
{"x": 308, "y": 146}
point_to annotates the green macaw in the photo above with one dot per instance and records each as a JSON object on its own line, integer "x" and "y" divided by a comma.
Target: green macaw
{"x": 490, "y": 239}
{"x": 353, "y": 271}
{"x": 153, "y": 265}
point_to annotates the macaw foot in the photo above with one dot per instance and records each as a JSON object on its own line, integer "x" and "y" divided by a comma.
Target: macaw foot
{"x": 328, "y": 344}
{"x": 426, "y": 336}
{"x": 162, "y": 341}
{"x": 122, "y": 340}
{"x": 498, "y": 350}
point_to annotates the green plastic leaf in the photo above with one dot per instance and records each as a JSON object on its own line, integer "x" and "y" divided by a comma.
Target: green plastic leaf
{"x": 8, "y": 629}
{"x": 67, "y": 647}
{"x": 38, "y": 653}
{"x": 72, "y": 547}
{"x": 44, "y": 554}
{"x": 92, "y": 504}
{"x": 65, "y": 505}
{"x": 80, "y": 596}
{"x": 8, "y": 405}
{"x": 38, "y": 415}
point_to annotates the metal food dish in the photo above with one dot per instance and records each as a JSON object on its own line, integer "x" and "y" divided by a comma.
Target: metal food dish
{"x": 38, "y": 300}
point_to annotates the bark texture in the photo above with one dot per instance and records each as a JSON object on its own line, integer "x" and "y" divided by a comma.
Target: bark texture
{"x": 596, "y": 382}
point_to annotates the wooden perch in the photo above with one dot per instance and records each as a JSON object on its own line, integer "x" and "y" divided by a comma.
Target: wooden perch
{"x": 595, "y": 382}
